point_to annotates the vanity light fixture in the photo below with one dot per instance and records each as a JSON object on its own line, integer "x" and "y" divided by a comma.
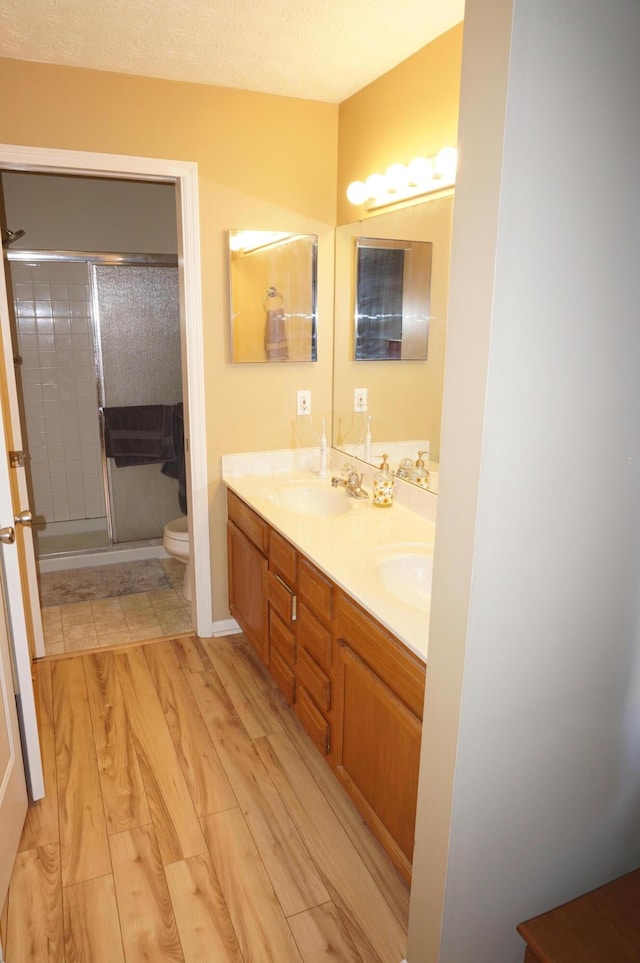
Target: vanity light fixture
{"x": 243, "y": 242}
{"x": 423, "y": 175}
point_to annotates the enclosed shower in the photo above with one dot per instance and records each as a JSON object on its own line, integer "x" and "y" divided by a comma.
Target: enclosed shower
{"x": 95, "y": 332}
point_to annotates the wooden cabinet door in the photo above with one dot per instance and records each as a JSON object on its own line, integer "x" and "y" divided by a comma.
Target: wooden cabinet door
{"x": 378, "y": 754}
{"x": 248, "y": 589}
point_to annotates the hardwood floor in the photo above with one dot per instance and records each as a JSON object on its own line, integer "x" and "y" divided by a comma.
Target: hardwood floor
{"x": 188, "y": 817}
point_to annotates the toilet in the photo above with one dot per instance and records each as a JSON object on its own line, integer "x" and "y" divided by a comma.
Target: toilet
{"x": 176, "y": 543}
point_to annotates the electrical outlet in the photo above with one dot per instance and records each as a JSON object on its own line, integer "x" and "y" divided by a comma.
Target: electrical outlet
{"x": 360, "y": 399}
{"x": 304, "y": 403}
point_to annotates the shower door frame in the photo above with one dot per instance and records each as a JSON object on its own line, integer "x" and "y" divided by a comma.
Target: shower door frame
{"x": 184, "y": 176}
{"x": 118, "y": 260}
{"x": 91, "y": 259}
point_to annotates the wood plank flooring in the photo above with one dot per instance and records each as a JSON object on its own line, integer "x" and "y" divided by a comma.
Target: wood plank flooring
{"x": 189, "y": 818}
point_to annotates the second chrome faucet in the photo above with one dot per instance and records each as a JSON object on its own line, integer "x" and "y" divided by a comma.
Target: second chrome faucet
{"x": 351, "y": 481}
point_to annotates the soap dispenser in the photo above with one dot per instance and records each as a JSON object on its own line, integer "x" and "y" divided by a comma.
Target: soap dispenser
{"x": 420, "y": 476}
{"x": 383, "y": 485}
{"x": 405, "y": 468}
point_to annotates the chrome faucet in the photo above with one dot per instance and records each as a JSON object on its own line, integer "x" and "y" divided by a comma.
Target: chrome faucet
{"x": 351, "y": 481}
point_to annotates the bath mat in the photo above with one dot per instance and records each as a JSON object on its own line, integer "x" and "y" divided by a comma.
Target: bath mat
{"x": 102, "y": 582}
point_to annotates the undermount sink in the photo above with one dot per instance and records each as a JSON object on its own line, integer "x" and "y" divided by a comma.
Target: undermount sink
{"x": 310, "y": 498}
{"x": 405, "y": 573}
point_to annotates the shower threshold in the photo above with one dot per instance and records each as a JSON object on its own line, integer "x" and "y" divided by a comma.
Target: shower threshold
{"x": 107, "y": 555}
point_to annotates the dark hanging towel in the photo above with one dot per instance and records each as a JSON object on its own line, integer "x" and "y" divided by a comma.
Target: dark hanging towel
{"x": 139, "y": 434}
{"x": 175, "y": 467}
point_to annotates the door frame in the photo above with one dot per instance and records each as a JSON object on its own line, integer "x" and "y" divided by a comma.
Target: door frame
{"x": 184, "y": 175}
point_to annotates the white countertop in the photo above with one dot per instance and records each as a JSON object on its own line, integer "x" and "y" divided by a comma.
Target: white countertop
{"x": 345, "y": 547}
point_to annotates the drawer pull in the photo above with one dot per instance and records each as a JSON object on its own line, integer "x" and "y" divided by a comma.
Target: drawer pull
{"x": 294, "y": 601}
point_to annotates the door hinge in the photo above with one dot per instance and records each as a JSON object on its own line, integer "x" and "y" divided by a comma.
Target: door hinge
{"x": 17, "y": 459}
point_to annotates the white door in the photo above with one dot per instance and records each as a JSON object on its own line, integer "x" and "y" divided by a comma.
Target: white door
{"x": 13, "y": 430}
{"x": 13, "y": 790}
{"x": 12, "y": 585}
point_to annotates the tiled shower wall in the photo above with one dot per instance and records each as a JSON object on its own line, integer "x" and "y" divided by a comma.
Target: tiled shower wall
{"x": 55, "y": 336}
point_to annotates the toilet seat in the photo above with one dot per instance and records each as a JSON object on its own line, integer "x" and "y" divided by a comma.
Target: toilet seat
{"x": 178, "y": 529}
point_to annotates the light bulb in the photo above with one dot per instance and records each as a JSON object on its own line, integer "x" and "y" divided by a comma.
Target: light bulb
{"x": 376, "y": 186}
{"x": 420, "y": 171}
{"x": 396, "y": 176}
{"x": 446, "y": 161}
{"x": 357, "y": 193}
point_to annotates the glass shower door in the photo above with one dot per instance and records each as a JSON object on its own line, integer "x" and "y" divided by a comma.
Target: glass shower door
{"x": 137, "y": 312}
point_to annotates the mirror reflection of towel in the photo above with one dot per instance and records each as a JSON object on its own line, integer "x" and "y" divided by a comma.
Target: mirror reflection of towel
{"x": 275, "y": 336}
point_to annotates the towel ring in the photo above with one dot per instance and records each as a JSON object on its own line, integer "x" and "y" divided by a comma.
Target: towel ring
{"x": 272, "y": 293}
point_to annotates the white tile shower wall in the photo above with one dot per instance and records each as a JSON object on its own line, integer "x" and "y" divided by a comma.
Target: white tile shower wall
{"x": 53, "y": 316}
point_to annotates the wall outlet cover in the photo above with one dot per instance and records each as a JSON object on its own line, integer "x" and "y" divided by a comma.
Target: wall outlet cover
{"x": 304, "y": 402}
{"x": 360, "y": 399}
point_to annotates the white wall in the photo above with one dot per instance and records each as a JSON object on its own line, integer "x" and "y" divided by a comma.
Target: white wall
{"x": 90, "y": 214}
{"x": 539, "y": 663}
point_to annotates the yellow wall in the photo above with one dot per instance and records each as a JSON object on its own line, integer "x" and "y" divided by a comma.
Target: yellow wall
{"x": 265, "y": 163}
{"x": 279, "y": 149}
{"x": 410, "y": 111}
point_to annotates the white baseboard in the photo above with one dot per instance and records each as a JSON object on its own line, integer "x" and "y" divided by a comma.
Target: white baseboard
{"x": 225, "y": 627}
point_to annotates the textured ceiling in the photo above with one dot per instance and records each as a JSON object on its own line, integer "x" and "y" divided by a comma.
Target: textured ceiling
{"x": 315, "y": 49}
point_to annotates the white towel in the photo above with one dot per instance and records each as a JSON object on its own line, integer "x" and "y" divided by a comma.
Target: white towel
{"x": 275, "y": 336}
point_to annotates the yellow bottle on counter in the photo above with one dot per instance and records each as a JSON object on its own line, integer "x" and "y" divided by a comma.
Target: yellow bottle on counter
{"x": 383, "y": 485}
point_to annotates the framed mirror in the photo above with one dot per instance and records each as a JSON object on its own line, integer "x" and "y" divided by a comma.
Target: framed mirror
{"x": 273, "y": 296}
{"x": 404, "y": 399}
{"x": 392, "y": 287}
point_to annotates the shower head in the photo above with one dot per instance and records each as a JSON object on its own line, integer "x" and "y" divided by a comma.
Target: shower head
{"x": 10, "y": 236}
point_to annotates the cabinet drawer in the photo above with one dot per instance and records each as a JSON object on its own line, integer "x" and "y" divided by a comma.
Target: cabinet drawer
{"x": 316, "y": 590}
{"x": 283, "y": 557}
{"x": 313, "y": 721}
{"x": 316, "y": 682}
{"x": 314, "y": 637}
{"x": 281, "y": 598}
{"x": 282, "y": 638}
{"x": 282, "y": 675}
{"x": 399, "y": 668}
{"x": 248, "y": 521}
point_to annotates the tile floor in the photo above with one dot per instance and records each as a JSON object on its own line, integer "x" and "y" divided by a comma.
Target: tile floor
{"x": 123, "y": 619}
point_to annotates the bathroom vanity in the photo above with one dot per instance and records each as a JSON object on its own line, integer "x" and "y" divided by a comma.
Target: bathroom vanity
{"x": 356, "y": 687}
